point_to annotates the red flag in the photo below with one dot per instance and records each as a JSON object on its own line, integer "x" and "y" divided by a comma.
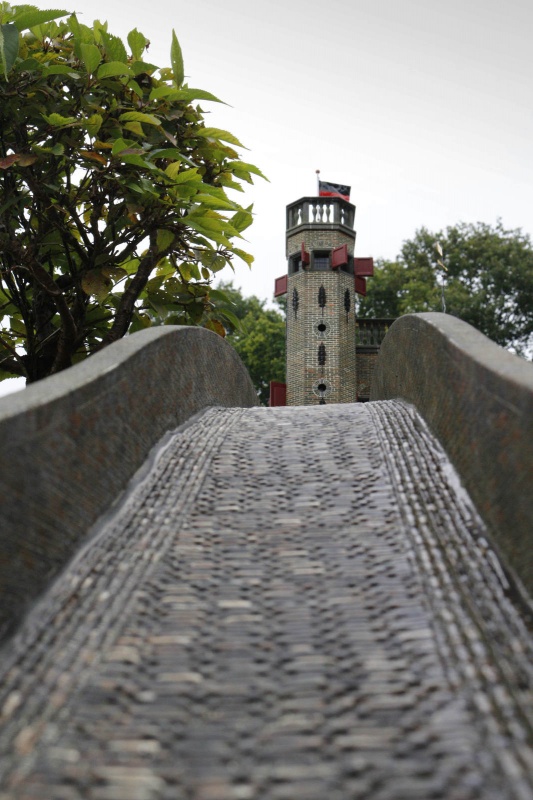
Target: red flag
{"x": 333, "y": 190}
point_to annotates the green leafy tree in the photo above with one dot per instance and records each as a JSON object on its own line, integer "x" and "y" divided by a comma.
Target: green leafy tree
{"x": 114, "y": 212}
{"x": 487, "y": 273}
{"x": 258, "y": 335}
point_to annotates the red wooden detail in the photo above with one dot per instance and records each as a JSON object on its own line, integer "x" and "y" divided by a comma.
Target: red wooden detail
{"x": 280, "y": 286}
{"x": 364, "y": 267}
{"x": 339, "y": 256}
{"x": 305, "y": 256}
{"x": 360, "y": 285}
{"x": 278, "y": 394}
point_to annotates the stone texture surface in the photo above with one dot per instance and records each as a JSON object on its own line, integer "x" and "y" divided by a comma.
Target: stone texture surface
{"x": 71, "y": 443}
{"x": 478, "y": 400}
{"x": 293, "y": 603}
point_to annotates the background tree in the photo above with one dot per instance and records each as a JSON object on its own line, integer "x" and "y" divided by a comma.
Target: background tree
{"x": 258, "y": 335}
{"x": 488, "y": 282}
{"x": 113, "y": 206}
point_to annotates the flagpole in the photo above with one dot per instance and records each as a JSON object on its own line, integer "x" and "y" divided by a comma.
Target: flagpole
{"x": 317, "y": 182}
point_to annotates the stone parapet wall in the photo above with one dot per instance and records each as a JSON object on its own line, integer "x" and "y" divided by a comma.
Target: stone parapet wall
{"x": 478, "y": 400}
{"x": 71, "y": 443}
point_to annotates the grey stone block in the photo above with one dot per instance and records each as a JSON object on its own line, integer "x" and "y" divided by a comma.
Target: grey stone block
{"x": 478, "y": 400}
{"x": 71, "y": 443}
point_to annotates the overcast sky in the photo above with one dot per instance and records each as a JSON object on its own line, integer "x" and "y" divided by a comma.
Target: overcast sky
{"x": 424, "y": 108}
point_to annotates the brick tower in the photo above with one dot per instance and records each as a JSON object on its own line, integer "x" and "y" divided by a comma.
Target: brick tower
{"x": 321, "y": 336}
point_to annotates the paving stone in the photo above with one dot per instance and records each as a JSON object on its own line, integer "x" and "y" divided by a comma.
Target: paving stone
{"x": 295, "y": 603}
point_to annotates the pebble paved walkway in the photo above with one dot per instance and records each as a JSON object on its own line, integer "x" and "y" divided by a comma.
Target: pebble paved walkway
{"x": 292, "y": 603}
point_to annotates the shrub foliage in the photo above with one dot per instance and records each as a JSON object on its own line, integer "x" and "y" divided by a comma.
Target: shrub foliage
{"x": 114, "y": 205}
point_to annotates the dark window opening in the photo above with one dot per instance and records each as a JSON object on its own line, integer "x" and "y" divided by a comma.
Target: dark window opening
{"x": 321, "y": 260}
{"x": 295, "y": 264}
{"x": 348, "y": 267}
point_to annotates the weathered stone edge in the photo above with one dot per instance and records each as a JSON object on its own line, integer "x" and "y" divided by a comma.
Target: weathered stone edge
{"x": 70, "y": 443}
{"x": 478, "y": 400}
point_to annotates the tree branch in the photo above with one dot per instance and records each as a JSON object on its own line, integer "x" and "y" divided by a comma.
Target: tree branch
{"x": 126, "y": 307}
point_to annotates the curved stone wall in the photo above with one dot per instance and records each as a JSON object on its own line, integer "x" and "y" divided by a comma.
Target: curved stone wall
{"x": 478, "y": 400}
{"x": 71, "y": 443}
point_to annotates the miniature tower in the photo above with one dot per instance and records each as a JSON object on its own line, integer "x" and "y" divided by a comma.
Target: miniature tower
{"x": 320, "y": 301}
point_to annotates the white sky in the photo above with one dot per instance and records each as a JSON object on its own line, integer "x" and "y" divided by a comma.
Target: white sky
{"x": 424, "y": 108}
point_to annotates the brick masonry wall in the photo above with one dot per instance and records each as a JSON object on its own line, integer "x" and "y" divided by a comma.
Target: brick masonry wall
{"x": 304, "y": 339}
{"x": 365, "y": 359}
{"x": 318, "y": 238}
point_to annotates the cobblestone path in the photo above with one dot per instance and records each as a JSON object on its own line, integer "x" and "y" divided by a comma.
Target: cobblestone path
{"x": 292, "y": 603}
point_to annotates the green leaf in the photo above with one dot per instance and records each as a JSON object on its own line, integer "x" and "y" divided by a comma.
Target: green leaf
{"x": 138, "y": 116}
{"x": 114, "y": 47}
{"x": 176, "y": 59}
{"x": 140, "y": 321}
{"x": 122, "y": 144}
{"x": 228, "y": 315}
{"x": 214, "y": 202}
{"x": 58, "y": 121}
{"x": 57, "y": 69}
{"x": 217, "y": 133}
{"x": 216, "y": 326}
{"x": 170, "y": 152}
{"x": 116, "y": 273}
{"x": 113, "y": 68}
{"x": 91, "y": 57}
{"x": 162, "y": 92}
{"x": 173, "y": 169}
{"x": 135, "y": 127}
{"x": 240, "y": 165}
{"x": 133, "y": 86}
{"x": 242, "y": 219}
{"x": 187, "y": 176}
{"x": 187, "y": 95}
{"x": 139, "y": 67}
{"x": 218, "y": 263}
{"x": 9, "y": 46}
{"x": 26, "y": 159}
{"x": 244, "y": 256}
{"x": 93, "y": 124}
{"x": 24, "y": 19}
{"x": 137, "y": 161}
{"x": 137, "y": 42}
{"x": 97, "y": 284}
{"x": 164, "y": 239}
{"x": 210, "y": 233}
{"x": 17, "y": 326}
{"x": 225, "y": 180}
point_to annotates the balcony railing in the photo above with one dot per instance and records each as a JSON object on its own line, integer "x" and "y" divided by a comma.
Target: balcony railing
{"x": 320, "y": 211}
{"x": 371, "y": 332}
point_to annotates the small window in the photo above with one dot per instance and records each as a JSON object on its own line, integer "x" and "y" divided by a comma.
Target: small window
{"x": 321, "y": 260}
{"x": 295, "y": 264}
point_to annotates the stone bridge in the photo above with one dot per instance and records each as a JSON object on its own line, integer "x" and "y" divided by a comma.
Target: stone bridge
{"x": 208, "y": 600}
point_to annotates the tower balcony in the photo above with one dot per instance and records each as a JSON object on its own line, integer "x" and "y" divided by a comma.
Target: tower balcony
{"x": 320, "y": 212}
